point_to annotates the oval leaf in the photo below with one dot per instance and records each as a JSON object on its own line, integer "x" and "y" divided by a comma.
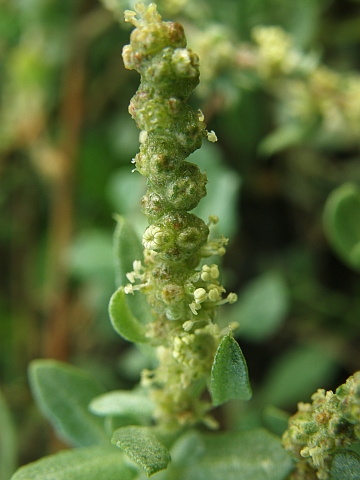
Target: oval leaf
{"x": 63, "y": 393}
{"x": 143, "y": 448}
{"x": 124, "y": 323}
{"x": 92, "y": 463}
{"x": 342, "y": 223}
{"x": 250, "y": 455}
{"x": 127, "y": 248}
{"x": 262, "y": 307}
{"x": 345, "y": 466}
{"x": 122, "y": 403}
{"x": 296, "y": 374}
{"x": 229, "y": 373}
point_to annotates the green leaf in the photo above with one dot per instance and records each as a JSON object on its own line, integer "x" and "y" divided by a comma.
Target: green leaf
{"x": 134, "y": 360}
{"x": 8, "y": 442}
{"x": 124, "y": 323}
{"x": 284, "y": 137}
{"x": 229, "y": 373}
{"x": 249, "y": 455}
{"x": 222, "y": 197}
{"x": 125, "y": 189}
{"x": 63, "y": 393}
{"x": 345, "y": 466}
{"x": 296, "y": 374}
{"x": 141, "y": 445}
{"x": 187, "y": 449}
{"x": 92, "y": 463}
{"x": 261, "y": 307}
{"x": 342, "y": 223}
{"x": 90, "y": 255}
{"x": 123, "y": 403}
{"x": 275, "y": 419}
{"x": 127, "y": 248}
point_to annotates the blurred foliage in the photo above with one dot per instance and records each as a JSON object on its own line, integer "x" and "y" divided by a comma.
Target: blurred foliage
{"x": 289, "y": 135}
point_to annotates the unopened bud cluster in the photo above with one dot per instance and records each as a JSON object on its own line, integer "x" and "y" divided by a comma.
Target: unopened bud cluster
{"x": 332, "y": 421}
{"x": 183, "y": 296}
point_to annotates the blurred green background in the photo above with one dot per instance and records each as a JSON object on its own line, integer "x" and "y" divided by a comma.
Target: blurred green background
{"x": 66, "y": 143}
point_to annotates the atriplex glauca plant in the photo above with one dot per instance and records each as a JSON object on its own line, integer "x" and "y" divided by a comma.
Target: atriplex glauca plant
{"x": 164, "y": 425}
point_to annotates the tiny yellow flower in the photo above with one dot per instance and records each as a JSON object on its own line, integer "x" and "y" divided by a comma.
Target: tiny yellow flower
{"x": 212, "y": 136}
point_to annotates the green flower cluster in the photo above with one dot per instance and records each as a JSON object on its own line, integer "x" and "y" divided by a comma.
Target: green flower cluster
{"x": 310, "y": 93}
{"x": 183, "y": 296}
{"x": 332, "y": 421}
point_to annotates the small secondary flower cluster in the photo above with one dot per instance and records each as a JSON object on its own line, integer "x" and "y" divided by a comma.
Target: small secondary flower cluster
{"x": 308, "y": 90}
{"x": 332, "y": 421}
{"x": 183, "y": 296}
